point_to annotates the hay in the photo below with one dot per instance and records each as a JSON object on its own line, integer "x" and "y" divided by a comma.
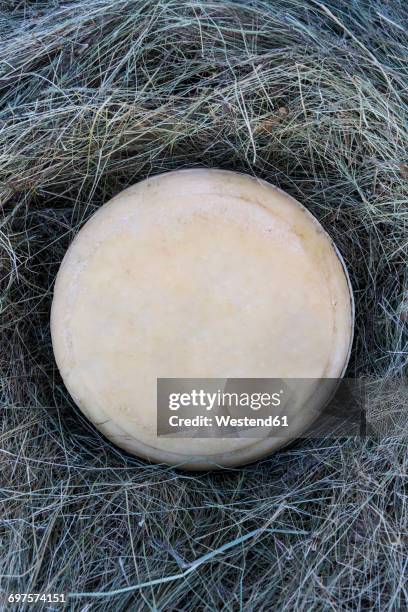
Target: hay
{"x": 98, "y": 94}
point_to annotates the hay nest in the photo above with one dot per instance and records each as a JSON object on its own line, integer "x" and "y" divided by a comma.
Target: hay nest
{"x": 98, "y": 94}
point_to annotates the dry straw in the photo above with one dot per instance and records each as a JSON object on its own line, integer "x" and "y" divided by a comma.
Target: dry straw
{"x": 98, "y": 94}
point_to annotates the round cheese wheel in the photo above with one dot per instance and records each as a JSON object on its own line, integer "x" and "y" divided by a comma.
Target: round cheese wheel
{"x": 198, "y": 274}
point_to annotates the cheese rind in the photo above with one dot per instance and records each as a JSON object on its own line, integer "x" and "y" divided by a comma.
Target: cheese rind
{"x": 197, "y": 274}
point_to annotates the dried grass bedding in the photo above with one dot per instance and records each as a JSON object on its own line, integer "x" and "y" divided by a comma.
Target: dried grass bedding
{"x": 98, "y": 94}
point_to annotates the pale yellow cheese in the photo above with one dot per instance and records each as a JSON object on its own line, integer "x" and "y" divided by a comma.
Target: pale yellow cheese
{"x": 197, "y": 274}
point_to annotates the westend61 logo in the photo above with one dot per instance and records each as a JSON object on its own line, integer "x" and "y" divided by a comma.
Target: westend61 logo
{"x": 211, "y": 401}
{"x": 258, "y": 407}
{"x": 219, "y": 407}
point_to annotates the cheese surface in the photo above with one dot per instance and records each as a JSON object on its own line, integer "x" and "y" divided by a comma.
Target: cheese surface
{"x": 196, "y": 274}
